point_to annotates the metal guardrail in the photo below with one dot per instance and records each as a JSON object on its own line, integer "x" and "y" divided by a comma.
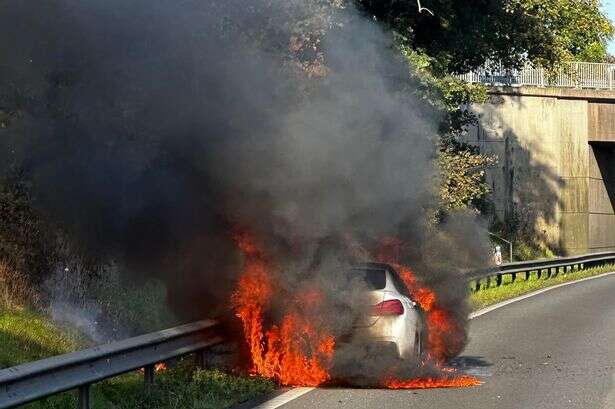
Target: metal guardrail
{"x": 550, "y": 267}
{"x": 571, "y": 75}
{"x": 78, "y": 370}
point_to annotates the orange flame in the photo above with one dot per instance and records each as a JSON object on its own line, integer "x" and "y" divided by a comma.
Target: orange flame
{"x": 294, "y": 352}
{"x": 159, "y": 367}
{"x": 441, "y": 326}
{"x": 459, "y": 381}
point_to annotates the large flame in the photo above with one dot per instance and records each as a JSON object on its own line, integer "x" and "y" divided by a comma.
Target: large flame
{"x": 294, "y": 352}
{"x": 298, "y": 349}
{"x": 442, "y": 328}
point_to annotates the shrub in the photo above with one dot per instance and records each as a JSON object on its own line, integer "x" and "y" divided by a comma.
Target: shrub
{"x": 15, "y": 288}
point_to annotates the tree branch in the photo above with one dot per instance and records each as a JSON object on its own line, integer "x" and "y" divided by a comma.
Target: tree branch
{"x": 418, "y": 3}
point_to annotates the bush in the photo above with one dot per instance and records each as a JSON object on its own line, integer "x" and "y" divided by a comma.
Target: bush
{"x": 104, "y": 305}
{"x": 26, "y": 241}
{"x": 15, "y": 289}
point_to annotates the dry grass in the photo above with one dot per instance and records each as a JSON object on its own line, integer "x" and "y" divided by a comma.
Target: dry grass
{"x": 15, "y": 290}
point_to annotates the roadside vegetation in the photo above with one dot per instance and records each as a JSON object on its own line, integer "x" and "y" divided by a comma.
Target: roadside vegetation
{"x": 44, "y": 263}
{"x": 27, "y": 336}
{"x": 492, "y": 295}
{"x": 179, "y": 387}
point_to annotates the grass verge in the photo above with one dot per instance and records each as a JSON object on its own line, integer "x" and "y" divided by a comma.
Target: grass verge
{"x": 180, "y": 387}
{"x": 26, "y": 336}
{"x": 492, "y": 295}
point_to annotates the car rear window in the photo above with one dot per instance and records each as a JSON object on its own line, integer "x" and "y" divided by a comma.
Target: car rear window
{"x": 375, "y": 279}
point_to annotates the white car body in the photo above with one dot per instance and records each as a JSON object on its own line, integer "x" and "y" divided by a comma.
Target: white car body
{"x": 401, "y": 329}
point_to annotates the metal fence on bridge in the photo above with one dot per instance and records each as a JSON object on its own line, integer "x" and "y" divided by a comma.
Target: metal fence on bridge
{"x": 571, "y": 75}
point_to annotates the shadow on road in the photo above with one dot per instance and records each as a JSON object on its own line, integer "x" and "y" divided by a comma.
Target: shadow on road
{"x": 472, "y": 365}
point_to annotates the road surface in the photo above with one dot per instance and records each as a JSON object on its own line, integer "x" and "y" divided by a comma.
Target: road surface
{"x": 553, "y": 350}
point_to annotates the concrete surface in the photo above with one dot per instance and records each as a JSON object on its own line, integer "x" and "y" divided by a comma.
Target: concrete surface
{"x": 556, "y": 173}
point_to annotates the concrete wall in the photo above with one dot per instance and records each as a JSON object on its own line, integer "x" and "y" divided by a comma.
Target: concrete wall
{"x": 548, "y": 176}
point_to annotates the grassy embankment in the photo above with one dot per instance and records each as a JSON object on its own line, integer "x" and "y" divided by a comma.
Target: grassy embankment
{"x": 26, "y": 336}
{"x": 489, "y": 296}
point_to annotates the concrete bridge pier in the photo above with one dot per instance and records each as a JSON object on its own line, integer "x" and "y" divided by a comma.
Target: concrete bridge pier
{"x": 556, "y": 171}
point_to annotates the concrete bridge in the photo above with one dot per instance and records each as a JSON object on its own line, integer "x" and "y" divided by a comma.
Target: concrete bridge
{"x": 556, "y": 170}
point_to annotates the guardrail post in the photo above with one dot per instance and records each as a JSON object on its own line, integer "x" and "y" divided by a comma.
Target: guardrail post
{"x": 84, "y": 397}
{"x": 498, "y": 280}
{"x": 538, "y": 273}
{"x": 148, "y": 376}
{"x": 514, "y": 277}
{"x": 527, "y": 275}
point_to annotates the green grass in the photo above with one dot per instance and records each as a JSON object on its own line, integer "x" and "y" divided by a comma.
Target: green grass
{"x": 492, "y": 295}
{"x": 179, "y": 387}
{"x": 26, "y": 336}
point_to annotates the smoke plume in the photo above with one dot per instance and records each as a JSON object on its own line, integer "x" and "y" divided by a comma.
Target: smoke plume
{"x": 154, "y": 130}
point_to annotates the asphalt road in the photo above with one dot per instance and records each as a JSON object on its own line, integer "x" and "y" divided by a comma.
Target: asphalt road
{"x": 553, "y": 350}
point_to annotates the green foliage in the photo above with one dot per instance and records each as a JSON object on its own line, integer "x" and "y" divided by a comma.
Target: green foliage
{"x": 443, "y": 91}
{"x": 463, "y": 171}
{"x": 135, "y": 308}
{"x": 27, "y": 336}
{"x": 571, "y": 29}
{"x": 530, "y": 249}
{"x": 462, "y": 167}
{"x": 462, "y": 35}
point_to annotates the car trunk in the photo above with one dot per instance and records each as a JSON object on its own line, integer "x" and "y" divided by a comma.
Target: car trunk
{"x": 375, "y": 281}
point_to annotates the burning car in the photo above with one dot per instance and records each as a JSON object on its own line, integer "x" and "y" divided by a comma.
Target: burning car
{"x": 393, "y": 323}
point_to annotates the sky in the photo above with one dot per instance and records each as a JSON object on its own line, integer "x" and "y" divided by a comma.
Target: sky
{"x": 609, "y": 7}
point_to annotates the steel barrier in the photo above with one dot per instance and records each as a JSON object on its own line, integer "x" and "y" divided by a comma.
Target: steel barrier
{"x": 78, "y": 370}
{"x": 550, "y": 267}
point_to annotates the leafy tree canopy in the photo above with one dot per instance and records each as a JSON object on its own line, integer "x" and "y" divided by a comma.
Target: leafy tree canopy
{"x": 462, "y": 35}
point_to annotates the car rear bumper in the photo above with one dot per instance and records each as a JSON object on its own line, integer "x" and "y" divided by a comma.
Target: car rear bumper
{"x": 376, "y": 345}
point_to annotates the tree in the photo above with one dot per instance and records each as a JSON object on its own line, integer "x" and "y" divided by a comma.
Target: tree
{"x": 462, "y": 35}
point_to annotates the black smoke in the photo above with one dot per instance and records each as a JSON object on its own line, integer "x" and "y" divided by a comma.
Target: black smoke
{"x": 153, "y": 129}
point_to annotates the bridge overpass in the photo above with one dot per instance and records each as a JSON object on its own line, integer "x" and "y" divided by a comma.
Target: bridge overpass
{"x": 556, "y": 151}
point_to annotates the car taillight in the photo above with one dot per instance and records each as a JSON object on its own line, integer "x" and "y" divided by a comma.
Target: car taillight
{"x": 388, "y": 307}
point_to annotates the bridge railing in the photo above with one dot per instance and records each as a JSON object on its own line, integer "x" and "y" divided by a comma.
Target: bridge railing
{"x": 571, "y": 75}
{"x": 78, "y": 370}
{"x": 548, "y": 268}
